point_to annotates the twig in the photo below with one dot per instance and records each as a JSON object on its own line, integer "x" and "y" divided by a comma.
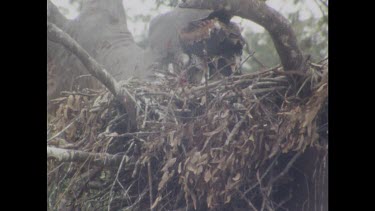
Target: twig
{"x": 114, "y": 182}
{"x": 320, "y": 8}
{"x": 235, "y": 130}
{"x": 303, "y": 85}
{"x": 264, "y": 174}
{"x": 286, "y": 169}
{"x": 242, "y": 77}
{"x": 150, "y": 184}
{"x": 145, "y": 117}
{"x": 247, "y": 200}
{"x": 290, "y": 72}
{"x": 258, "y": 91}
{"x": 55, "y": 169}
{"x": 259, "y": 62}
{"x": 136, "y": 202}
{"x": 323, "y": 60}
{"x": 65, "y": 128}
{"x": 66, "y": 155}
{"x": 324, "y": 3}
{"x": 316, "y": 65}
{"x": 283, "y": 202}
{"x": 155, "y": 93}
{"x": 265, "y": 194}
{"x": 78, "y": 93}
{"x": 227, "y": 65}
{"x": 245, "y": 60}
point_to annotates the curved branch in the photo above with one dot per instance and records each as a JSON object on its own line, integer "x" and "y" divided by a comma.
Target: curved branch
{"x": 281, "y": 32}
{"x": 55, "y": 34}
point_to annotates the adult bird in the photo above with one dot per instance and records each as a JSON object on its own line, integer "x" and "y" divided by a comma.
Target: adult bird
{"x": 212, "y": 42}
{"x": 214, "y": 38}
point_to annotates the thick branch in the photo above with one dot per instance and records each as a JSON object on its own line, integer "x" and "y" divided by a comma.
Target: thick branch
{"x": 57, "y": 35}
{"x": 65, "y": 155}
{"x": 281, "y": 32}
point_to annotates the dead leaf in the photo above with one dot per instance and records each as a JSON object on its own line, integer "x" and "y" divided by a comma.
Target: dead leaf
{"x": 169, "y": 163}
{"x": 196, "y": 157}
{"x": 222, "y": 163}
{"x": 191, "y": 167}
{"x": 175, "y": 138}
{"x": 200, "y": 170}
{"x": 207, "y": 175}
{"x": 114, "y": 134}
{"x": 227, "y": 199}
{"x": 237, "y": 177}
{"x": 70, "y": 101}
{"x": 217, "y": 130}
{"x": 194, "y": 198}
{"x": 251, "y": 138}
{"x": 157, "y": 200}
{"x": 225, "y": 114}
{"x": 203, "y": 100}
{"x": 179, "y": 168}
{"x": 164, "y": 179}
{"x": 77, "y": 101}
{"x": 230, "y": 185}
{"x": 209, "y": 200}
{"x": 66, "y": 112}
{"x": 267, "y": 147}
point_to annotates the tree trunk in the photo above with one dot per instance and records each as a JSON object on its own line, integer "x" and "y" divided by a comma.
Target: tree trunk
{"x": 101, "y": 29}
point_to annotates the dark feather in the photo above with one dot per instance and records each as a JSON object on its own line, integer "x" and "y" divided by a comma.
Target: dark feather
{"x": 213, "y": 36}
{"x": 222, "y": 15}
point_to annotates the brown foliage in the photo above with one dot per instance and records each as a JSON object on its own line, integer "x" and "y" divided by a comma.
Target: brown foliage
{"x": 225, "y": 153}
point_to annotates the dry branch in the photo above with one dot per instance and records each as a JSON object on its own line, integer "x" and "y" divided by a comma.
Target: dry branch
{"x": 57, "y": 35}
{"x": 215, "y": 151}
{"x": 66, "y": 155}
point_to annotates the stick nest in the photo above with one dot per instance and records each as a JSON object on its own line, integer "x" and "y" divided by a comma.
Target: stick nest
{"x": 200, "y": 147}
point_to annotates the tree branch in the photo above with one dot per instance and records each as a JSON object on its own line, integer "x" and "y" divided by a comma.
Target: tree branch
{"x": 57, "y": 35}
{"x": 66, "y": 155}
{"x": 101, "y": 29}
{"x": 279, "y": 27}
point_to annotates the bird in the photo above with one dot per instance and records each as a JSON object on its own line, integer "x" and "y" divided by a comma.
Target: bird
{"x": 214, "y": 36}
{"x": 202, "y": 36}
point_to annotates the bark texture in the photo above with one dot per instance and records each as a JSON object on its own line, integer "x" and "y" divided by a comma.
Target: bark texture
{"x": 101, "y": 29}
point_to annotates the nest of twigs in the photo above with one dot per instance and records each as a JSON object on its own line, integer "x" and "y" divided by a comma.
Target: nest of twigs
{"x": 225, "y": 146}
